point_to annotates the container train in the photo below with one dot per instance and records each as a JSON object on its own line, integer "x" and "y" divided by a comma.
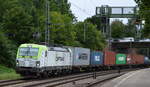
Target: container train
{"x": 41, "y": 59}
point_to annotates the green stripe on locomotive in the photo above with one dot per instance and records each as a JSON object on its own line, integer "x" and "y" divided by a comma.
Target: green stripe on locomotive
{"x": 40, "y": 48}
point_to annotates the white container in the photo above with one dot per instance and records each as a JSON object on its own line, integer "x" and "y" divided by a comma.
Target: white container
{"x": 81, "y": 56}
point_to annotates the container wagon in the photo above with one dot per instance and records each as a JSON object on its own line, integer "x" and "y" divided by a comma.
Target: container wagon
{"x": 135, "y": 60}
{"x": 96, "y": 60}
{"x": 109, "y": 59}
{"x": 81, "y": 58}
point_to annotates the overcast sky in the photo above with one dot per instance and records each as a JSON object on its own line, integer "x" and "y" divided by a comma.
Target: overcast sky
{"x": 86, "y": 8}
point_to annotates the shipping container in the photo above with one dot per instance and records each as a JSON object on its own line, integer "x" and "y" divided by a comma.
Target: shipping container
{"x": 146, "y": 60}
{"x": 120, "y": 58}
{"x": 81, "y": 56}
{"x": 96, "y": 58}
{"x": 109, "y": 58}
{"x": 135, "y": 59}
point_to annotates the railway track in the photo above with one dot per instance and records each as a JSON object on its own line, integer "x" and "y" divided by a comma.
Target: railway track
{"x": 93, "y": 84}
{"x": 16, "y": 81}
{"x": 52, "y": 82}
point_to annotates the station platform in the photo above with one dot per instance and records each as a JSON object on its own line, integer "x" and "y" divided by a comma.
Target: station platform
{"x": 139, "y": 78}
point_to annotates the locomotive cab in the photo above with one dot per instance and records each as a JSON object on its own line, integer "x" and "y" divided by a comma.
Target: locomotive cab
{"x": 30, "y": 57}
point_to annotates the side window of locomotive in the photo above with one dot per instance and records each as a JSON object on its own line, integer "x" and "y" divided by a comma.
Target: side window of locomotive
{"x": 45, "y": 53}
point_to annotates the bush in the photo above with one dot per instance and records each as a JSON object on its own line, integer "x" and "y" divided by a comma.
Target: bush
{"x": 8, "y": 51}
{"x": 8, "y": 73}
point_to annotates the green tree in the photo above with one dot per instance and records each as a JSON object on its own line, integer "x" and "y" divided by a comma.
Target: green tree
{"x": 18, "y": 21}
{"x": 8, "y": 51}
{"x": 62, "y": 30}
{"x": 130, "y": 29}
{"x": 117, "y": 28}
{"x": 24, "y": 16}
{"x": 89, "y": 36}
{"x": 95, "y": 20}
{"x": 61, "y": 6}
{"x": 144, "y": 15}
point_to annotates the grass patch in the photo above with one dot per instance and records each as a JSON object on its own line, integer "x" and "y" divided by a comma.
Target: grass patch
{"x": 8, "y": 73}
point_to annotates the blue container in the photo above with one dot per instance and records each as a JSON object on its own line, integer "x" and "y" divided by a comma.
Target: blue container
{"x": 96, "y": 58}
{"x": 146, "y": 60}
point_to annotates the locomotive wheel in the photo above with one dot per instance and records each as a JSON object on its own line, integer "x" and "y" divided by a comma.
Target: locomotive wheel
{"x": 45, "y": 74}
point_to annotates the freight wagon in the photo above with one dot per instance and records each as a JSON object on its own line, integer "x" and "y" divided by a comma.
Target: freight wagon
{"x": 96, "y": 61}
{"x": 135, "y": 59}
{"x": 109, "y": 58}
{"x": 80, "y": 58}
{"x": 96, "y": 58}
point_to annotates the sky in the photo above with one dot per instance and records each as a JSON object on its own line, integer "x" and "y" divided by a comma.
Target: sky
{"x": 86, "y": 8}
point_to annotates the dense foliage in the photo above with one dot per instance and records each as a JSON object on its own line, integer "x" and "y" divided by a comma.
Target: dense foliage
{"x": 23, "y": 21}
{"x": 144, "y": 14}
{"x": 130, "y": 29}
{"x": 117, "y": 29}
{"x": 120, "y": 30}
{"x": 95, "y": 20}
{"x": 89, "y": 36}
{"x": 7, "y": 51}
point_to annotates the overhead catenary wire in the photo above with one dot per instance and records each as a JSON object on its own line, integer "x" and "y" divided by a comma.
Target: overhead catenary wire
{"x": 83, "y": 10}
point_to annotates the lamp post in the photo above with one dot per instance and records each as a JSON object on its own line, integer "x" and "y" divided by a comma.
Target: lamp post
{"x": 47, "y": 23}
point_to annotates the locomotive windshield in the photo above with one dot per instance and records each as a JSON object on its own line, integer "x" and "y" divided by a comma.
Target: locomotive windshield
{"x": 27, "y": 51}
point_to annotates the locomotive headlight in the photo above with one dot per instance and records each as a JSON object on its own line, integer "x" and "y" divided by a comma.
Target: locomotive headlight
{"x": 17, "y": 62}
{"x": 37, "y": 63}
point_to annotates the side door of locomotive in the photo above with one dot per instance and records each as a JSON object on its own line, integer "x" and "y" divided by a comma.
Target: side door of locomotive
{"x": 44, "y": 59}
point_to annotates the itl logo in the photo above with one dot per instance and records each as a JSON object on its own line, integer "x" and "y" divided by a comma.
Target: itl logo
{"x": 59, "y": 58}
{"x": 121, "y": 58}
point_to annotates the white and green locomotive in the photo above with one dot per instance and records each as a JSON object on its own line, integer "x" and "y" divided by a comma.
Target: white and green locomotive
{"x": 34, "y": 58}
